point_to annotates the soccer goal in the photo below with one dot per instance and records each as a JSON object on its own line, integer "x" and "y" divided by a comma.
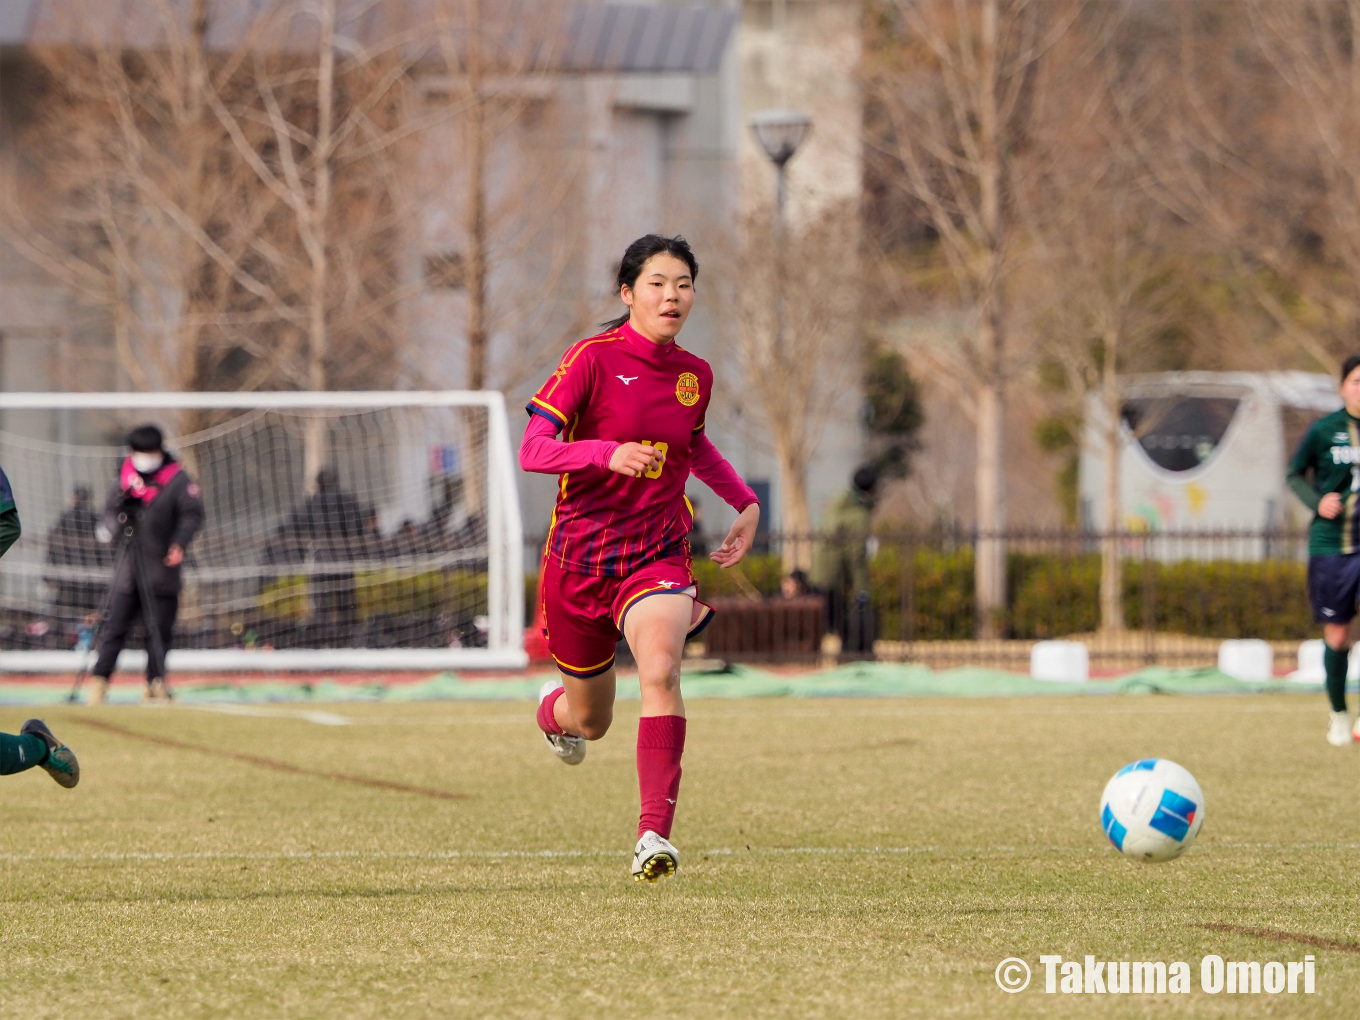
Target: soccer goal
{"x": 364, "y": 531}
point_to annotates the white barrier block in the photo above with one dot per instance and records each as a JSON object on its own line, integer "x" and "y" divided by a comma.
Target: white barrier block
{"x": 1061, "y": 661}
{"x": 1311, "y": 669}
{"x": 1250, "y": 660}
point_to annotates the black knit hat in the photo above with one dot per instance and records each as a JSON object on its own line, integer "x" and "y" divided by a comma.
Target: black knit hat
{"x": 146, "y": 439}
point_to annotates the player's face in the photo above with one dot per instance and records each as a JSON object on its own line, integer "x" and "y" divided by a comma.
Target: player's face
{"x": 1350, "y": 393}
{"x": 661, "y": 298}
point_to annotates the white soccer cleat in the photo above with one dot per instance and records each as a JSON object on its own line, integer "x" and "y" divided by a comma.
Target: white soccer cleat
{"x": 1339, "y": 731}
{"x": 569, "y": 750}
{"x": 654, "y": 858}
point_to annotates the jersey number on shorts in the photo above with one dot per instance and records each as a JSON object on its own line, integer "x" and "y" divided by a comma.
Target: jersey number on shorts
{"x": 662, "y": 449}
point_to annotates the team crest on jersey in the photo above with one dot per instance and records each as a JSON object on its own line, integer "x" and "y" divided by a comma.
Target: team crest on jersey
{"x": 687, "y": 389}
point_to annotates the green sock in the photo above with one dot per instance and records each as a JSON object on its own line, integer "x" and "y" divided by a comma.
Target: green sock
{"x": 1335, "y": 661}
{"x": 19, "y": 753}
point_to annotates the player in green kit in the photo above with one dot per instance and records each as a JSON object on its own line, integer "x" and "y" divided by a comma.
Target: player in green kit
{"x": 34, "y": 744}
{"x": 1330, "y": 453}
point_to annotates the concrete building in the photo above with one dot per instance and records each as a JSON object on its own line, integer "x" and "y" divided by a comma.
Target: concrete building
{"x": 636, "y": 124}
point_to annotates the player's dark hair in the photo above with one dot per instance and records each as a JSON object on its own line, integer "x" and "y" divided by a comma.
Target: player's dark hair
{"x": 146, "y": 439}
{"x": 636, "y": 256}
{"x": 1349, "y": 365}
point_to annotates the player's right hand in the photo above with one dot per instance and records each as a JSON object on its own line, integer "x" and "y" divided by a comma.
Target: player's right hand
{"x": 634, "y": 458}
{"x": 1330, "y": 505}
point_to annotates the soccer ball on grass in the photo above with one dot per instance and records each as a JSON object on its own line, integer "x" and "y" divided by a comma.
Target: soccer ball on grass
{"x": 1152, "y": 810}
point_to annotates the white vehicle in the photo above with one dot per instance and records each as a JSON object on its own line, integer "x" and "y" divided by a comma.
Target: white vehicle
{"x": 1205, "y": 451}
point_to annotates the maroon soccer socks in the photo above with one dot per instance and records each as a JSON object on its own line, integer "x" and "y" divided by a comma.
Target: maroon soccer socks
{"x": 660, "y": 743}
{"x": 547, "y": 722}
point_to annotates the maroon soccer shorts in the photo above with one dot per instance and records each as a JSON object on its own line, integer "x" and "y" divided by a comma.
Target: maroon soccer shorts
{"x": 583, "y": 613}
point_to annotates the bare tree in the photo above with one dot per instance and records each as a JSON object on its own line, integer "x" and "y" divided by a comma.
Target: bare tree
{"x": 798, "y": 385}
{"x": 124, "y": 197}
{"x": 498, "y": 83}
{"x": 305, "y": 129}
{"x": 1271, "y": 185}
{"x": 239, "y": 215}
{"x": 1100, "y": 245}
{"x": 952, "y": 80}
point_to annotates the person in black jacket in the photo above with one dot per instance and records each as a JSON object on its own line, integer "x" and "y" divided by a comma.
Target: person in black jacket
{"x": 72, "y": 543}
{"x": 163, "y": 506}
{"x": 331, "y": 524}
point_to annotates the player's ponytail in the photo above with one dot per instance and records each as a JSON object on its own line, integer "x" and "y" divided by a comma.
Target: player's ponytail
{"x": 636, "y": 256}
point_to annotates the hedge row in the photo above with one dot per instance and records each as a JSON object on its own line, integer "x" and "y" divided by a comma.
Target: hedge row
{"x": 1051, "y": 595}
{"x": 384, "y": 592}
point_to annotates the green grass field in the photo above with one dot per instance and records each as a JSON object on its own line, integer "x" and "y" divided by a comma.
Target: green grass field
{"x": 840, "y": 858}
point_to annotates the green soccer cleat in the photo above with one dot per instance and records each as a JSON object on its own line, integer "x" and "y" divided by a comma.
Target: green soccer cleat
{"x": 61, "y": 762}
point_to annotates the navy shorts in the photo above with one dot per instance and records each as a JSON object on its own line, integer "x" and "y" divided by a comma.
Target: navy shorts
{"x": 1334, "y": 587}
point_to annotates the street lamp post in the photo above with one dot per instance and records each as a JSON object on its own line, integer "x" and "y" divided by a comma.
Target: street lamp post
{"x": 780, "y": 133}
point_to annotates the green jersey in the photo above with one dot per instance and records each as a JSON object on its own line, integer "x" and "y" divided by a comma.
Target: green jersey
{"x": 1330, "y": 450}
{"x": 9, "y": 516}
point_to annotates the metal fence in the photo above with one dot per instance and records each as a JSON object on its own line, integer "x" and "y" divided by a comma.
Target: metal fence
{"x": 910, "y": 597}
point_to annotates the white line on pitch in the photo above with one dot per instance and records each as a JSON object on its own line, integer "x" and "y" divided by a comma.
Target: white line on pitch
{"x": 266, "y": 712}
{"x": 454, "y": 855}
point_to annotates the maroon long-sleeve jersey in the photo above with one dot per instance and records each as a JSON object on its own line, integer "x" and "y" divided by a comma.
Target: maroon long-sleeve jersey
{"x": 621, "y": 386}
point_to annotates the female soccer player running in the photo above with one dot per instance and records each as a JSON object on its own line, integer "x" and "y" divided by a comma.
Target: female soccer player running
{"x": 632, "y": 403}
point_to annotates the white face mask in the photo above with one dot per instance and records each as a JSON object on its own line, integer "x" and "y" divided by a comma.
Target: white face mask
{"x": 147, "y": 462}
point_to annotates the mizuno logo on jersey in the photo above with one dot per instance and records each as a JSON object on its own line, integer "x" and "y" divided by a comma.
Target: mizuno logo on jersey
{"x": 625, "y": 379}
{"x": 1341, "y": 438}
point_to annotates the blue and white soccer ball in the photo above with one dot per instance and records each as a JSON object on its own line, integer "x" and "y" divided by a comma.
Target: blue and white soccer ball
{"x": 1152, "y": 810}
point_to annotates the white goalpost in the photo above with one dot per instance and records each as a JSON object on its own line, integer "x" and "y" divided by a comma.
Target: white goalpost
{"x": 344, "y": 530}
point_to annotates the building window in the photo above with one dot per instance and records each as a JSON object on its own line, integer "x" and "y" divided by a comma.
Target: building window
{"x": 444, "y": 271}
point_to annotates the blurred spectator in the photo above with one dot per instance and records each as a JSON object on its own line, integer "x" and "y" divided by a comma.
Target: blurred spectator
{"x": 283, "y": 548}
{"x": 408, "y": 540}
{"x": 372, "y": 546}
{"x": 331, "y": 520}
{"x": 698, "y": 541}
{"x": 793, "y": 584}
{"x": 72, "y": 543}
{"x": 840, "y": 563}
{"x": 331, "y": 523}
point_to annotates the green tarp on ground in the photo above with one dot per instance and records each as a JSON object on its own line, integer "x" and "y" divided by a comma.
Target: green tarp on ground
{"x": 855, "y": 680}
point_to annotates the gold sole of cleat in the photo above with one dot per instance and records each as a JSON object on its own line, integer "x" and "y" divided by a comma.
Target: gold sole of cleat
{"x": 660, "y": 866}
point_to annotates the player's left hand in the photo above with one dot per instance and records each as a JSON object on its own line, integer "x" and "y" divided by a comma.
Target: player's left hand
{"x": 739, "y": 539}
{"x": 174, "y": 556}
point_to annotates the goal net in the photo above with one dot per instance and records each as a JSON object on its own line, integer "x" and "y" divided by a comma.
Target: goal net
{"x": 342, "y": 531}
